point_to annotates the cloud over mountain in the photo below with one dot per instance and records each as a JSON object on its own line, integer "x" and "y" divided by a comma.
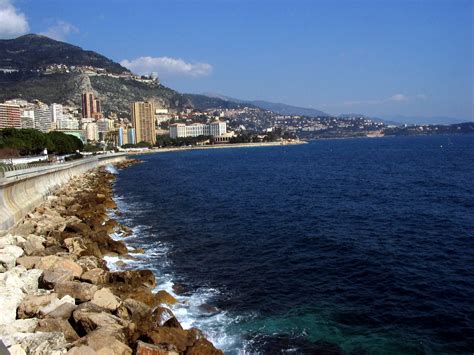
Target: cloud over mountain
{"x": 12, "y": 22}
{"x": 167, "y": 67}
{"x": 60, "y": 30}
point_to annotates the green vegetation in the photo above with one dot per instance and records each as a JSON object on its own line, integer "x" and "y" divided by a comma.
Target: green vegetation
{"x": 32, "y": 142}
{"x": 167, "y": 141}
{"x": 138, "y": 145}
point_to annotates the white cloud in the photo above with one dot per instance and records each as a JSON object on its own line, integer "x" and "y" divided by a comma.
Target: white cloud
{"x": 167, "y": 67}
{"x": 393, "y": 98}
{"x": 60, "y": 30}
{"x": 13, "y": 23}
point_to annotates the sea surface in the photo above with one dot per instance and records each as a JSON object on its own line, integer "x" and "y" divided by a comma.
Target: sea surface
{"x": 358, "y": 246}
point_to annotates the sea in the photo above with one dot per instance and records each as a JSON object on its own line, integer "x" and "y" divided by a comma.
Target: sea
{"x": 351, "y": 246}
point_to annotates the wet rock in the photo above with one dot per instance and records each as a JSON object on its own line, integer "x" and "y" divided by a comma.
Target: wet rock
{"x": 106, "y": 299}
{"x": 208, "y": 310}
{"x": 55, "y": 325}
{"x": 163, "y": 297}
{"x": 134, "y": 278}
{"x": 164, "y": 317}
{"x": 31, "y": 305}
{"x": 203, "y": 347}
{"x": 50, "y": 278}
{"x": 28, "y": 262}
{"x": 136, "y": 308}
{"x": 34, "y": 245}
{"x": 179, "y": 289}
{"x": 174, "y": 339}
{"x": 140, "y": 293}
{"x": 96, "y": 276}
{"x": 81, "y": 291}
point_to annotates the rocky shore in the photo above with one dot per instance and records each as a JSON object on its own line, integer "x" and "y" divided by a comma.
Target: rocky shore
{"x": 58, "y": 296}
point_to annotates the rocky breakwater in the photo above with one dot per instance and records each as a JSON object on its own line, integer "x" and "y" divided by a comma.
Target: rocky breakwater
{"x": 58, "y": 296}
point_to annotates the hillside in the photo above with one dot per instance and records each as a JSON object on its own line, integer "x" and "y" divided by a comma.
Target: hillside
{"x": 30, "y": 55}
{"x": 32, "y": 52}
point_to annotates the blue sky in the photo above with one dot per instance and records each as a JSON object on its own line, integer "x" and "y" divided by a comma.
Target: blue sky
{"x": 385, "y": 57}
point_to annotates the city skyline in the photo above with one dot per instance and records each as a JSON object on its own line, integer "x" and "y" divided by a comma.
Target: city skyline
{"x": 387, "y": 59}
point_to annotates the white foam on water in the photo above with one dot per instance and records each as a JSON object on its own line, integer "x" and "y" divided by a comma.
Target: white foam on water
{"x": 111, "y": 169}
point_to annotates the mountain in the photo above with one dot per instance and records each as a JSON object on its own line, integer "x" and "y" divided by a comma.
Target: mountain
{"x": 205, "y": 102}
{"x": 424, "y": 120}
{"x": 116, "y": 87}
{"x": 30, "y": 52}
{"x": 282, "y": 109}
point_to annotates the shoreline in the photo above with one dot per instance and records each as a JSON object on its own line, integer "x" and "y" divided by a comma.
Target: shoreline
{"x": 59, "y": 293}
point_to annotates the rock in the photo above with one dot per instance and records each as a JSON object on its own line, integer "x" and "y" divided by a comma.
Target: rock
{"x": 203, "y": 347}
{"x": 14, "y": 250}
{"x": 50, "y": 278}
{"x": 81, "y": 291}
{"x": 179, "y": 289}
{"x": 90, "y": 318}
{"x": 47, "y": 262}
{"x": 136, "y": 308}
{"x": 175, "y": 339}
{"x": 163, "y": 297}
{"x": 91, "y": 262}
{"x": 10, "y": 239}
{"x": 55, "y": 325}
{"x": 78, "y": 228}
{"x": 18, "y": 326}
{"x": 96, "y": 276}
{"x": 30, "y": 280}
{"x": 16, "y": 350}
{"x": 23, "y": 228}
{"x": 134, "y": 277}
{"x": 31, "y": 304}
{"x": 59, "y": 308}
{"x": 9, "y": 301}
{"x": 28, "y": 262}
{"x": 165, "y": 318}
{"x": 106, "y": 299}
{"x": 67, "y": 264}
{"x": 150, "y": 349}
{"x": 140, "y": 293}
{"x": 106, "y": 341}
{"x": 41, "y": 343}
{"x": 208, "y": 310}
{"x": 33, "y": 245}
{"x": 7, "y": 261}
{"x": 82, "y": 350}
{"x": 76, "y": 245}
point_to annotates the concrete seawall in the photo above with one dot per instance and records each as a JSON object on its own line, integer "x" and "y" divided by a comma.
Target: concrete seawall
{"x": 22, "y": 190}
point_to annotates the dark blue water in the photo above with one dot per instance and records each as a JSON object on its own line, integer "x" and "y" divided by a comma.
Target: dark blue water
{"x": 354, "y": 246}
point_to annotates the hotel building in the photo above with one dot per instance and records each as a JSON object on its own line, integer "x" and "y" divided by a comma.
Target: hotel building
{"x": 10, "y": 116}
{"x": 143, "y": 121}
{"x": 215, "y": 129}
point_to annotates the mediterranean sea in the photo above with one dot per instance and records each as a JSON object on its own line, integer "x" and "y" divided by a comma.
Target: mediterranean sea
{"x": 356, "y": 246}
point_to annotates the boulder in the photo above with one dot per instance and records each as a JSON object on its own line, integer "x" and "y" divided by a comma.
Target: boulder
{"x": 174, "y": 339}
{"x": 9, "y": 301}
{"x": 203, "y": 347}
{"x": 76, "y": 245}
{"x": 10, "y": 239}
{"x": 23, "y": 228}
{"x": 163, "y": 297}
{"x": 163, "y": 317}
{"x": 96, "y": 276}
{"x": 140, "y": 293}
{"x": 50, "y": 278}
{"x": 150, "y": 349}
{"x": 59, "y": 308}
{"x": 31, "y": 304}
{"x": 106, "y": 299}
{"x": 136, "y": 308}
{"x": 47, "y": 262}
{"x": 78, "y": 228}
{"x": 90, "y": 318}
{"x": 30, "y": 280}
{"x": 134, "y": 278}
{"x": 90, "y": 262}
{"x": 16, "y": 350}
{"x": 57, "y": 325}
{"x": 81, "y": 291}
{"x": 106, "y": 341}
{"x": 34, "y": 245}
{"x": 41, "y": 343}
{"x": 7, "y": 261}
{"x": 18, "y": 326}
{"x": 28, "y": 262}
{"x": 82, "y": 350}
{"x": 69, "y": 265}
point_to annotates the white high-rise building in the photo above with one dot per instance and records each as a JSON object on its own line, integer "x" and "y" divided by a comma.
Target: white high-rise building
{"x": 27, "y": 118}
{"x": 56, "y": 113}
{"x": 43, "y": 118}
{"x": 92, "y": 132}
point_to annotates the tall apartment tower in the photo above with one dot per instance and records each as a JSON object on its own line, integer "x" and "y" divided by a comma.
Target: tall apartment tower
{"x": 143, "y": 121}
{"x": 91, "y": 107}
{"x": 10, "y": 116}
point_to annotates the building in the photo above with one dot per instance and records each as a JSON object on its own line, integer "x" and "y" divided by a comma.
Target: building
{"x": 10, "y": 116}
{"x": 92, "y": 133}
{"x": 91, "y": 106}
{"x": 67, "y": 124}
{"x": 143, "y": 121}
{"x": 180, "y": 130}
{"x": 43, "y": 121}
{"x": 56, "y": 113}
{"x": 27, "y": 118}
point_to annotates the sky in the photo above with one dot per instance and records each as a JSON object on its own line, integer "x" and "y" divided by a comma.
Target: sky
{"x": 382, "y": 58}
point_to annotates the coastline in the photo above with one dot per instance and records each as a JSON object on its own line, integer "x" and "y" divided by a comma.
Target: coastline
{"x": 59, "y": 295}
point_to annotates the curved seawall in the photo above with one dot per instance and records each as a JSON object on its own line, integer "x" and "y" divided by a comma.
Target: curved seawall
{"x": 22, "y": 190}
